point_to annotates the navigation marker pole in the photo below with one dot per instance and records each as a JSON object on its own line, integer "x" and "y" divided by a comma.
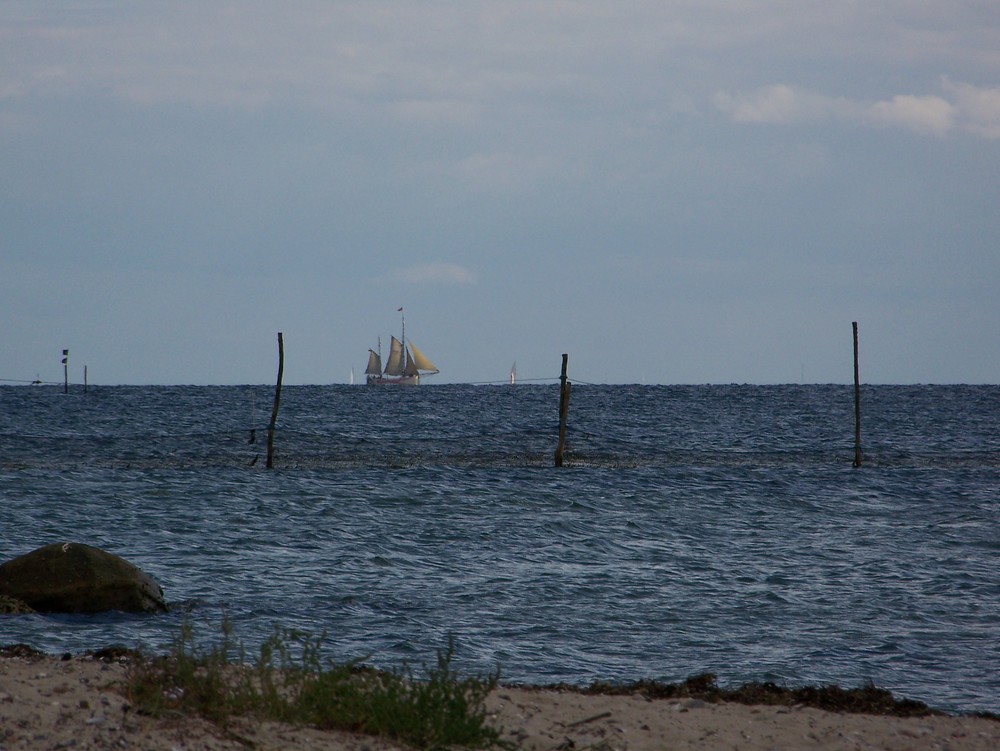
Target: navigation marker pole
{"x": 65, "y": 364}
{"x": 277, "y": 401}
{"x": 857, "y": 402}
{"x": 564, "y": 389}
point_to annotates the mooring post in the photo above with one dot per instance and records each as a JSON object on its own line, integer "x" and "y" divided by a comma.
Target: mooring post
{"x": 564, "y": 390}
{"x": 277, "y": 402}
{"x": 857, "y": 401}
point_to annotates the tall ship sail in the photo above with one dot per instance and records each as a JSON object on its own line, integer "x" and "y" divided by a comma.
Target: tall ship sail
{"x": 405, "y": 366}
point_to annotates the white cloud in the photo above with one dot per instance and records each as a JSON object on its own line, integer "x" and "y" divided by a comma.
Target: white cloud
{"x": 962, "y": 107}
{"x": 434, "y": 273}
{"x": 782, "y": 105}
{"x": 930, "y": 115}
{"x": 978, "y": 108}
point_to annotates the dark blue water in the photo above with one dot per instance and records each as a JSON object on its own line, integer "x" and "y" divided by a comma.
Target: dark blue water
{"x": 694, "y": 528}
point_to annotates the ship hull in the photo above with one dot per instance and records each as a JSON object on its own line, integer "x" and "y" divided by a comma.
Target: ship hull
{"x": 374, "y": 380}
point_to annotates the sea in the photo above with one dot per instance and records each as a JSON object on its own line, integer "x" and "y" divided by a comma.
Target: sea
{"x": 691, "y": 529}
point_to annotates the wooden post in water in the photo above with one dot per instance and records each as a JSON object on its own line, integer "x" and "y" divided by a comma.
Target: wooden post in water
{"x": 277, "y": 402}
{"x": 857, "y": 402}
{"x": 564, "y": 389}
{"x": 65, "y": 364}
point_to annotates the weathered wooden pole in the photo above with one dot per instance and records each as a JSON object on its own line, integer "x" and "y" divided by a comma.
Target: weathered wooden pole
{"x": 564, "y": 389}
{"x": 277, "y": 402}
{"x": 857, "y": 402}
{"x": 65, "y": 364}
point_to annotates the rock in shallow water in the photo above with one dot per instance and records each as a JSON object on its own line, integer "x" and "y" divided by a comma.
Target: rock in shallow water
{"x": 74, "y": 578}
{"x": 13, "y": 606}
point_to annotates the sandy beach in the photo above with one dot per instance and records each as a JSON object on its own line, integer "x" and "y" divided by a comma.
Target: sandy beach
{"x": 77, "y": 703}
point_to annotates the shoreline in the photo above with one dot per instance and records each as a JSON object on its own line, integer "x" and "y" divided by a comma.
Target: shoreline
{"x": 75, "y": 701}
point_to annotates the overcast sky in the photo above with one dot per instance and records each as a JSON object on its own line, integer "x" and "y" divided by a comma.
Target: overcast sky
{"x": 670, "y": 192}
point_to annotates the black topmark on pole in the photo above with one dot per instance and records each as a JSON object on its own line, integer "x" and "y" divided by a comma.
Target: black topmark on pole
{"x": 65, "y": 363}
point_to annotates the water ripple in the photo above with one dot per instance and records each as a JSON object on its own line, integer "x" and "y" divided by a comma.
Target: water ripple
{"x": 696, "y": 528}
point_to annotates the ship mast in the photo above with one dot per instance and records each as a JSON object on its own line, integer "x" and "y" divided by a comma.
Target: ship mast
{"x": 402, "y": 317}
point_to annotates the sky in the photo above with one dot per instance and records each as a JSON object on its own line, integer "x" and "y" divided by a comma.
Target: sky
{"x": 702, "y": 191}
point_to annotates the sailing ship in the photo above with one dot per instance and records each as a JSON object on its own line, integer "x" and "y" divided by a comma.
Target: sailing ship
{"x": 405, "y": 366}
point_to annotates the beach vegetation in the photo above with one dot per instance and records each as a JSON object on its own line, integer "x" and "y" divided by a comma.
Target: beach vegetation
{"x": 290, "y": 681}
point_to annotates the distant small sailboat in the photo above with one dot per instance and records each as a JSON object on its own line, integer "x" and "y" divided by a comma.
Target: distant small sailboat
{"x": 513, "y": 373}
{"x": 406, "y": 363}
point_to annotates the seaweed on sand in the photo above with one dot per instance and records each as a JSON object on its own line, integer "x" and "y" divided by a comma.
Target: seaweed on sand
{"x": 866, "y": 699}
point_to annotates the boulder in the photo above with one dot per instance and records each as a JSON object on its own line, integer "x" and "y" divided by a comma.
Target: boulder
{"x": 73, "y": 578}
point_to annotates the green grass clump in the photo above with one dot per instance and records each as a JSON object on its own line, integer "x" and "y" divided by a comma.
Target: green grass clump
{"x": 290, "y": 682}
